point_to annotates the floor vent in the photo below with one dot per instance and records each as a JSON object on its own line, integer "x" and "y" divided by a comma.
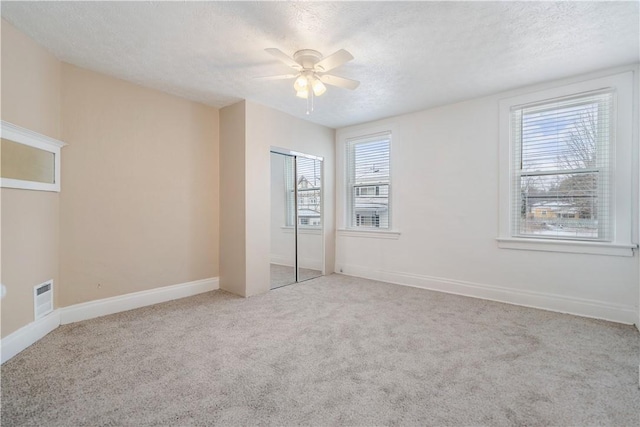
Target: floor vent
{"x": 43, "y": 299}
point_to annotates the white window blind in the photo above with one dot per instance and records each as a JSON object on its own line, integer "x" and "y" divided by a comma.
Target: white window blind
{"x": 368, "y": 181}
{"x": 562, "y": 156}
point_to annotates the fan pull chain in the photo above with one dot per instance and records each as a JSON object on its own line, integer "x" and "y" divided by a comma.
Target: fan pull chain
{"x": 310, "y": 103}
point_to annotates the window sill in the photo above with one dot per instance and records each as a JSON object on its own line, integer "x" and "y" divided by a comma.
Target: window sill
{"x": 369, "y": 233}
{"x": 567, "y": 246}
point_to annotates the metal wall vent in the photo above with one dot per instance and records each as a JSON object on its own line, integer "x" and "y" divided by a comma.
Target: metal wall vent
{"x": 43, "y": 299}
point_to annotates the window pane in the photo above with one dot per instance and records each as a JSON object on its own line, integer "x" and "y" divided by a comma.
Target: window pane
{"x": 561, "y": 206}
{"x": 309, "y": 182}
{"x": 371, "y": 209}
{"x": 371, "y": 162}
{"x": 562, "y": 138}
{"x": 26, "y": 163}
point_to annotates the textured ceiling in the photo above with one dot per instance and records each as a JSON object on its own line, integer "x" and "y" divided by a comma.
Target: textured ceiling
{"x": 409, "y": 56}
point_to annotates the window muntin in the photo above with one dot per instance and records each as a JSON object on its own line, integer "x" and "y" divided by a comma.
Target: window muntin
{"x": 562, "y": 151}
{"x": 368, "y": 181}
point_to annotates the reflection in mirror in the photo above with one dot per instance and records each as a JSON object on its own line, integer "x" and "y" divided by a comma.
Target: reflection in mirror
{"x": 26, "y": 163}
{"x": 310, "y": 249}
{"x": 283, "y": 244}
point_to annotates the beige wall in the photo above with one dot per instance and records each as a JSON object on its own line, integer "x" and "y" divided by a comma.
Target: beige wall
{"x": 232, "y": 199}
{"x": 30, "y": 83}
{"x": 31, "y": 99}
{"x": 140, "y": 201}
{"x": 139, "y": 206}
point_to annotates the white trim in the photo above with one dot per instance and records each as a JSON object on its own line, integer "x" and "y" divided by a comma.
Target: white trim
{"x": 620, "y": 313}
{"x": 120, "y": 303}
{"x": 568, "y": 246}
{"x": 291, "y": 153}
{"x": 28, "y": 137}
{"x": 14, "y": 343}
{"x": 372, "y": 234}
{"x": 24, "y": 136}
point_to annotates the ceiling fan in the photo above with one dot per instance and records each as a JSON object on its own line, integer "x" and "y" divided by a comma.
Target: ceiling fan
{"x": 311, "y": 72}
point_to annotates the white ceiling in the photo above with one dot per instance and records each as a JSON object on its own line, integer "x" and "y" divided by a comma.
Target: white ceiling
{"x": 409, "y": 56}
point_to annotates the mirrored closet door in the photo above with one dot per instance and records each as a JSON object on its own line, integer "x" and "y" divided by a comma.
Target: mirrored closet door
{"x": 297, "y": 252}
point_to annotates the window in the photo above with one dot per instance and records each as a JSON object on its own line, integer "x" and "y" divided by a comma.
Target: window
{"x": 368, "y": 181}
{"x": 308, "y": 178}
{"x": 562, "y": 170}
{"x": 30, "y": 161}
{"x": 566, "y": 171}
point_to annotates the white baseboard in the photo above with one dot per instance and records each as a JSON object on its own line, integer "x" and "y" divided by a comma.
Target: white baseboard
{"x": 281, "y": 260}
{"x": 22, "y": 338}
{"x": 14, "y": 343}
{"x": 619, "y": 313}
{"x": 120, "y": 303}
{"x": 311, "y": 263}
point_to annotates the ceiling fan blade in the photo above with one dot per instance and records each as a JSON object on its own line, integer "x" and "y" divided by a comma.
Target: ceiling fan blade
{"x": 278, "y": 77}
{"x": 334, "y": 60}
{"x": 283, "y": 57}
{"x": 339, "y": 81}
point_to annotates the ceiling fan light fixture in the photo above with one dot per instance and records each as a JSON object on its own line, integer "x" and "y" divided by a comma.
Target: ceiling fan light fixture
{"x": 302, "y": 83}
{"x": 303, "y": 93}
{"x": 311, "y": 72}
{"x": 318, "y": 87}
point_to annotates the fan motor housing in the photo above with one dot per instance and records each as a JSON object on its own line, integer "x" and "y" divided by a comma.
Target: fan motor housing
{"x": 308, "y": 58}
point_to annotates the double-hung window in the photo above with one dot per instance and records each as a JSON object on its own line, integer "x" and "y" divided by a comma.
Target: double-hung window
{"x": 562, "y": 168}
{"x": 566, "y": 168}
{"x": 368, "y": 181}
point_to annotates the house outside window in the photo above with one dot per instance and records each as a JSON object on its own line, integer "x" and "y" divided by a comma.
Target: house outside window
{"x": 368, "y": 181}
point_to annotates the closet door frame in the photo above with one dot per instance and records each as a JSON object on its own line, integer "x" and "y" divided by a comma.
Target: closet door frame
{"x": 295, "y": 155}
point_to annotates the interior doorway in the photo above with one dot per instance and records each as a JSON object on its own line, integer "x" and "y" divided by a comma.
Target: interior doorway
{"x": 297, "y": 250}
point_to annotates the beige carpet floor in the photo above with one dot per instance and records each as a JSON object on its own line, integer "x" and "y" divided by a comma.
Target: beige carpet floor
{"x": 330, "y": 351}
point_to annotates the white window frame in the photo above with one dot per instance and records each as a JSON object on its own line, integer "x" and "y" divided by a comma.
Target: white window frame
{"x": 349, "y": 201}
{"x": 623, "y": 198}
{"x": 14, "y": 133}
